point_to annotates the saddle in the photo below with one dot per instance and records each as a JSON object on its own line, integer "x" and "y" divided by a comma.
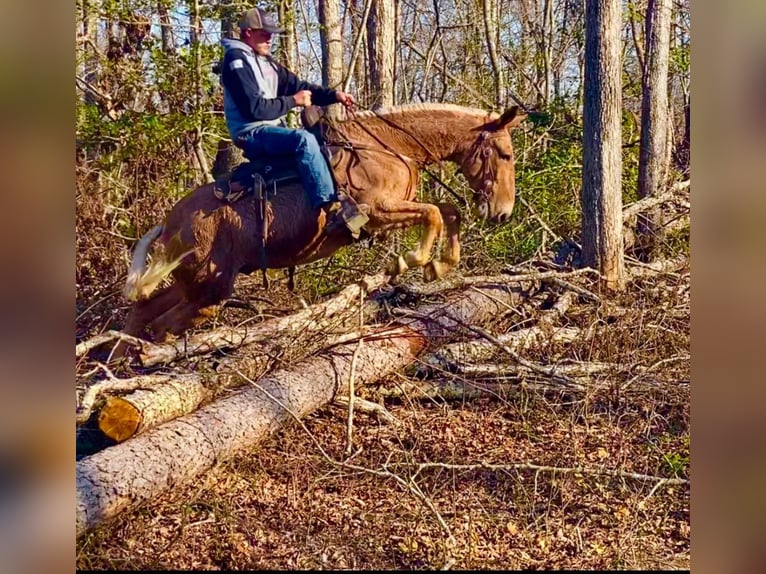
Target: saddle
{"x": 256, "y": 176}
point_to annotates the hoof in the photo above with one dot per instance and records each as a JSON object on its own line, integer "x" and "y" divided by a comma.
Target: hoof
{"x": 433, "y": 270}
{"x": 397, "y": 267}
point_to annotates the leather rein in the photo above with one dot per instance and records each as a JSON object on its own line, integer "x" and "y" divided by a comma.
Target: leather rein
{"x": 480, "y": 148}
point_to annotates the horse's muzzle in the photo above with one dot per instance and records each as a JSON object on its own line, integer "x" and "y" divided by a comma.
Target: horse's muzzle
{"x": 483, "y": 209}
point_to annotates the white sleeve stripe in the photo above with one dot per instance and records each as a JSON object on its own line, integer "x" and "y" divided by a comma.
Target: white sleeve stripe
{"x": 236, "y": 64}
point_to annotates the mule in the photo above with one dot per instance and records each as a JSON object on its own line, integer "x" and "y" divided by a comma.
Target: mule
{"x": 377, "y": 157}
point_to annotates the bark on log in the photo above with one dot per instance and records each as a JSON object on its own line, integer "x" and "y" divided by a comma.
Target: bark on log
{"x": 125, "y": 475}
{"x": 315, "y": 319}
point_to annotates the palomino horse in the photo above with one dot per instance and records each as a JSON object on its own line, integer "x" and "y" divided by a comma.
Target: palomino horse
{"x": 377, "y": 157}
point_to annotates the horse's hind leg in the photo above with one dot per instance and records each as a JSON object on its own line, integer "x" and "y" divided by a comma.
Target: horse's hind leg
{"x": 450, "y": 254}
{"x": 144, "y": 312}
{"x": 200, "y": 303}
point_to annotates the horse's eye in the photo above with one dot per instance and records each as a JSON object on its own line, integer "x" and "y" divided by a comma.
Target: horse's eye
{"x": 504, "y": 156}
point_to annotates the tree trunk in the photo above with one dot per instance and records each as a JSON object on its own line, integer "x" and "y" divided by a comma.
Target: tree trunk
{"x": 126, "y": 475}
{"x": 602, "y": 143}
{"x": 227, "y": 156}
{"x": 288, "y": 46}
{"x": 332, "y": 49}
{"x": 654, "y": 160}
{"x": 380, "y": 37}
{"x": 166, "y": 28}
{"x": 489, "y": 11}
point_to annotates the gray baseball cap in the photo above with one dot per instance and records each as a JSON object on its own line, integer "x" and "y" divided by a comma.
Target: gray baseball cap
{"x": 257, "y": 19}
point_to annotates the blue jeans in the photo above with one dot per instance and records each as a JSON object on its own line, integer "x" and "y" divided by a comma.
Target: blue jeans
{"x": 276, "y": 141}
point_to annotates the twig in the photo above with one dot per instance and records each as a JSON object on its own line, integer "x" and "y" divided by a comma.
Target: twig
{"x": 354, "y": 357}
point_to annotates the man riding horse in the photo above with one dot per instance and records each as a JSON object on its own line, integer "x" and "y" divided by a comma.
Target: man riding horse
{"x": 258, "y": 93}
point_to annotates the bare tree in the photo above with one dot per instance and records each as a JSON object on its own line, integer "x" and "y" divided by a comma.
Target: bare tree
{"x": 602, "y": 143}
{"x": 227, "y": 156}
{"x": 166, "y": 28}
{"x": 654, "y": 156}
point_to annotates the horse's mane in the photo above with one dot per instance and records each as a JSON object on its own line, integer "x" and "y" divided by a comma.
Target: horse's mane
{"x": 427, "y": 107}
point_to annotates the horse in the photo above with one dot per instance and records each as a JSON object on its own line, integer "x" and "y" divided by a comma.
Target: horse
{"x": 377, "y": 157}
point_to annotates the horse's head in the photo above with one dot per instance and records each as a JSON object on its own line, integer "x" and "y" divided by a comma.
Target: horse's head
{"x": 486, "y": 160}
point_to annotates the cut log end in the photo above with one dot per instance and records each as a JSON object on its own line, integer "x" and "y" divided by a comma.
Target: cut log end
{"x": 118, "y": 419}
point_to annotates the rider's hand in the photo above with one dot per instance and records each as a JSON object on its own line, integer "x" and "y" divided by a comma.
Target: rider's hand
{"x": 345, "y": 98}
{"x": 303, "y": 98}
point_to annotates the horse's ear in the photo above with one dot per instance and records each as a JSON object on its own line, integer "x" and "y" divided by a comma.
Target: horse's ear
{"x": 510, "y": 118}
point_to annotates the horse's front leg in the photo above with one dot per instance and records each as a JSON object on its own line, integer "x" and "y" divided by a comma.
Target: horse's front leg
{"x": 405, "y": 214}
{"x": 450, "y": 254}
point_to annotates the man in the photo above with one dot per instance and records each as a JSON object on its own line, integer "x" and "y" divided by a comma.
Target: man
{"x": 257, "y": 94}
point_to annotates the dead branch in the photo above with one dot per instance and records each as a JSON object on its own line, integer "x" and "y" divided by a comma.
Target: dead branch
{"x": 451, "y": 357}
{"x": 499, "y": 370}
{"x": 650, "y": 202}
{"x": 419, "y": 467}
{"x": 88, "y": 345}
{"x": 316, "y": 318}
{"x": 457, "y": 282}
{"x": 367, "y": 407}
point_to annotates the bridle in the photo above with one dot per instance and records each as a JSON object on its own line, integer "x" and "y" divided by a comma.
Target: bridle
{"x": 483, "y": 150}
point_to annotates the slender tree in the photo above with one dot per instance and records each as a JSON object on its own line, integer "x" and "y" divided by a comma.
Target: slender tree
{"x": 654, "y": 158}
{"x": 602, "y": 143}
{"x": 380, "y": 36}
{"x": 332, "y": 46}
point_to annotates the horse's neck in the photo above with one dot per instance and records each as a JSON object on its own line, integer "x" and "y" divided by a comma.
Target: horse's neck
{"x": 415, "y": 133}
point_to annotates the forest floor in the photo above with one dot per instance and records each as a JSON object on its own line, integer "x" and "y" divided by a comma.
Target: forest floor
{"x": 290, "y": 504}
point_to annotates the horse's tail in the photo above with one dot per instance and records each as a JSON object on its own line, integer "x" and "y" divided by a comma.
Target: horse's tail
{"x": 142, "y": 278}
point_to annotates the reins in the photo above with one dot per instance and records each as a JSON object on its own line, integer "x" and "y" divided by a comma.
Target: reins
{"x": 421, "y": 165}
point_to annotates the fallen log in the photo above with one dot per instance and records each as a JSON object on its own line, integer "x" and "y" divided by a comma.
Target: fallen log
{"x": 317, "y": 318}
{"x": 127, "y": 474}
{"x": 450, "y": 357}
{"x": 509, "y": 371}
{"x": 163, "y": 398}
{"x": 460, "y": 389}
{"x": 122, "y": 417}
